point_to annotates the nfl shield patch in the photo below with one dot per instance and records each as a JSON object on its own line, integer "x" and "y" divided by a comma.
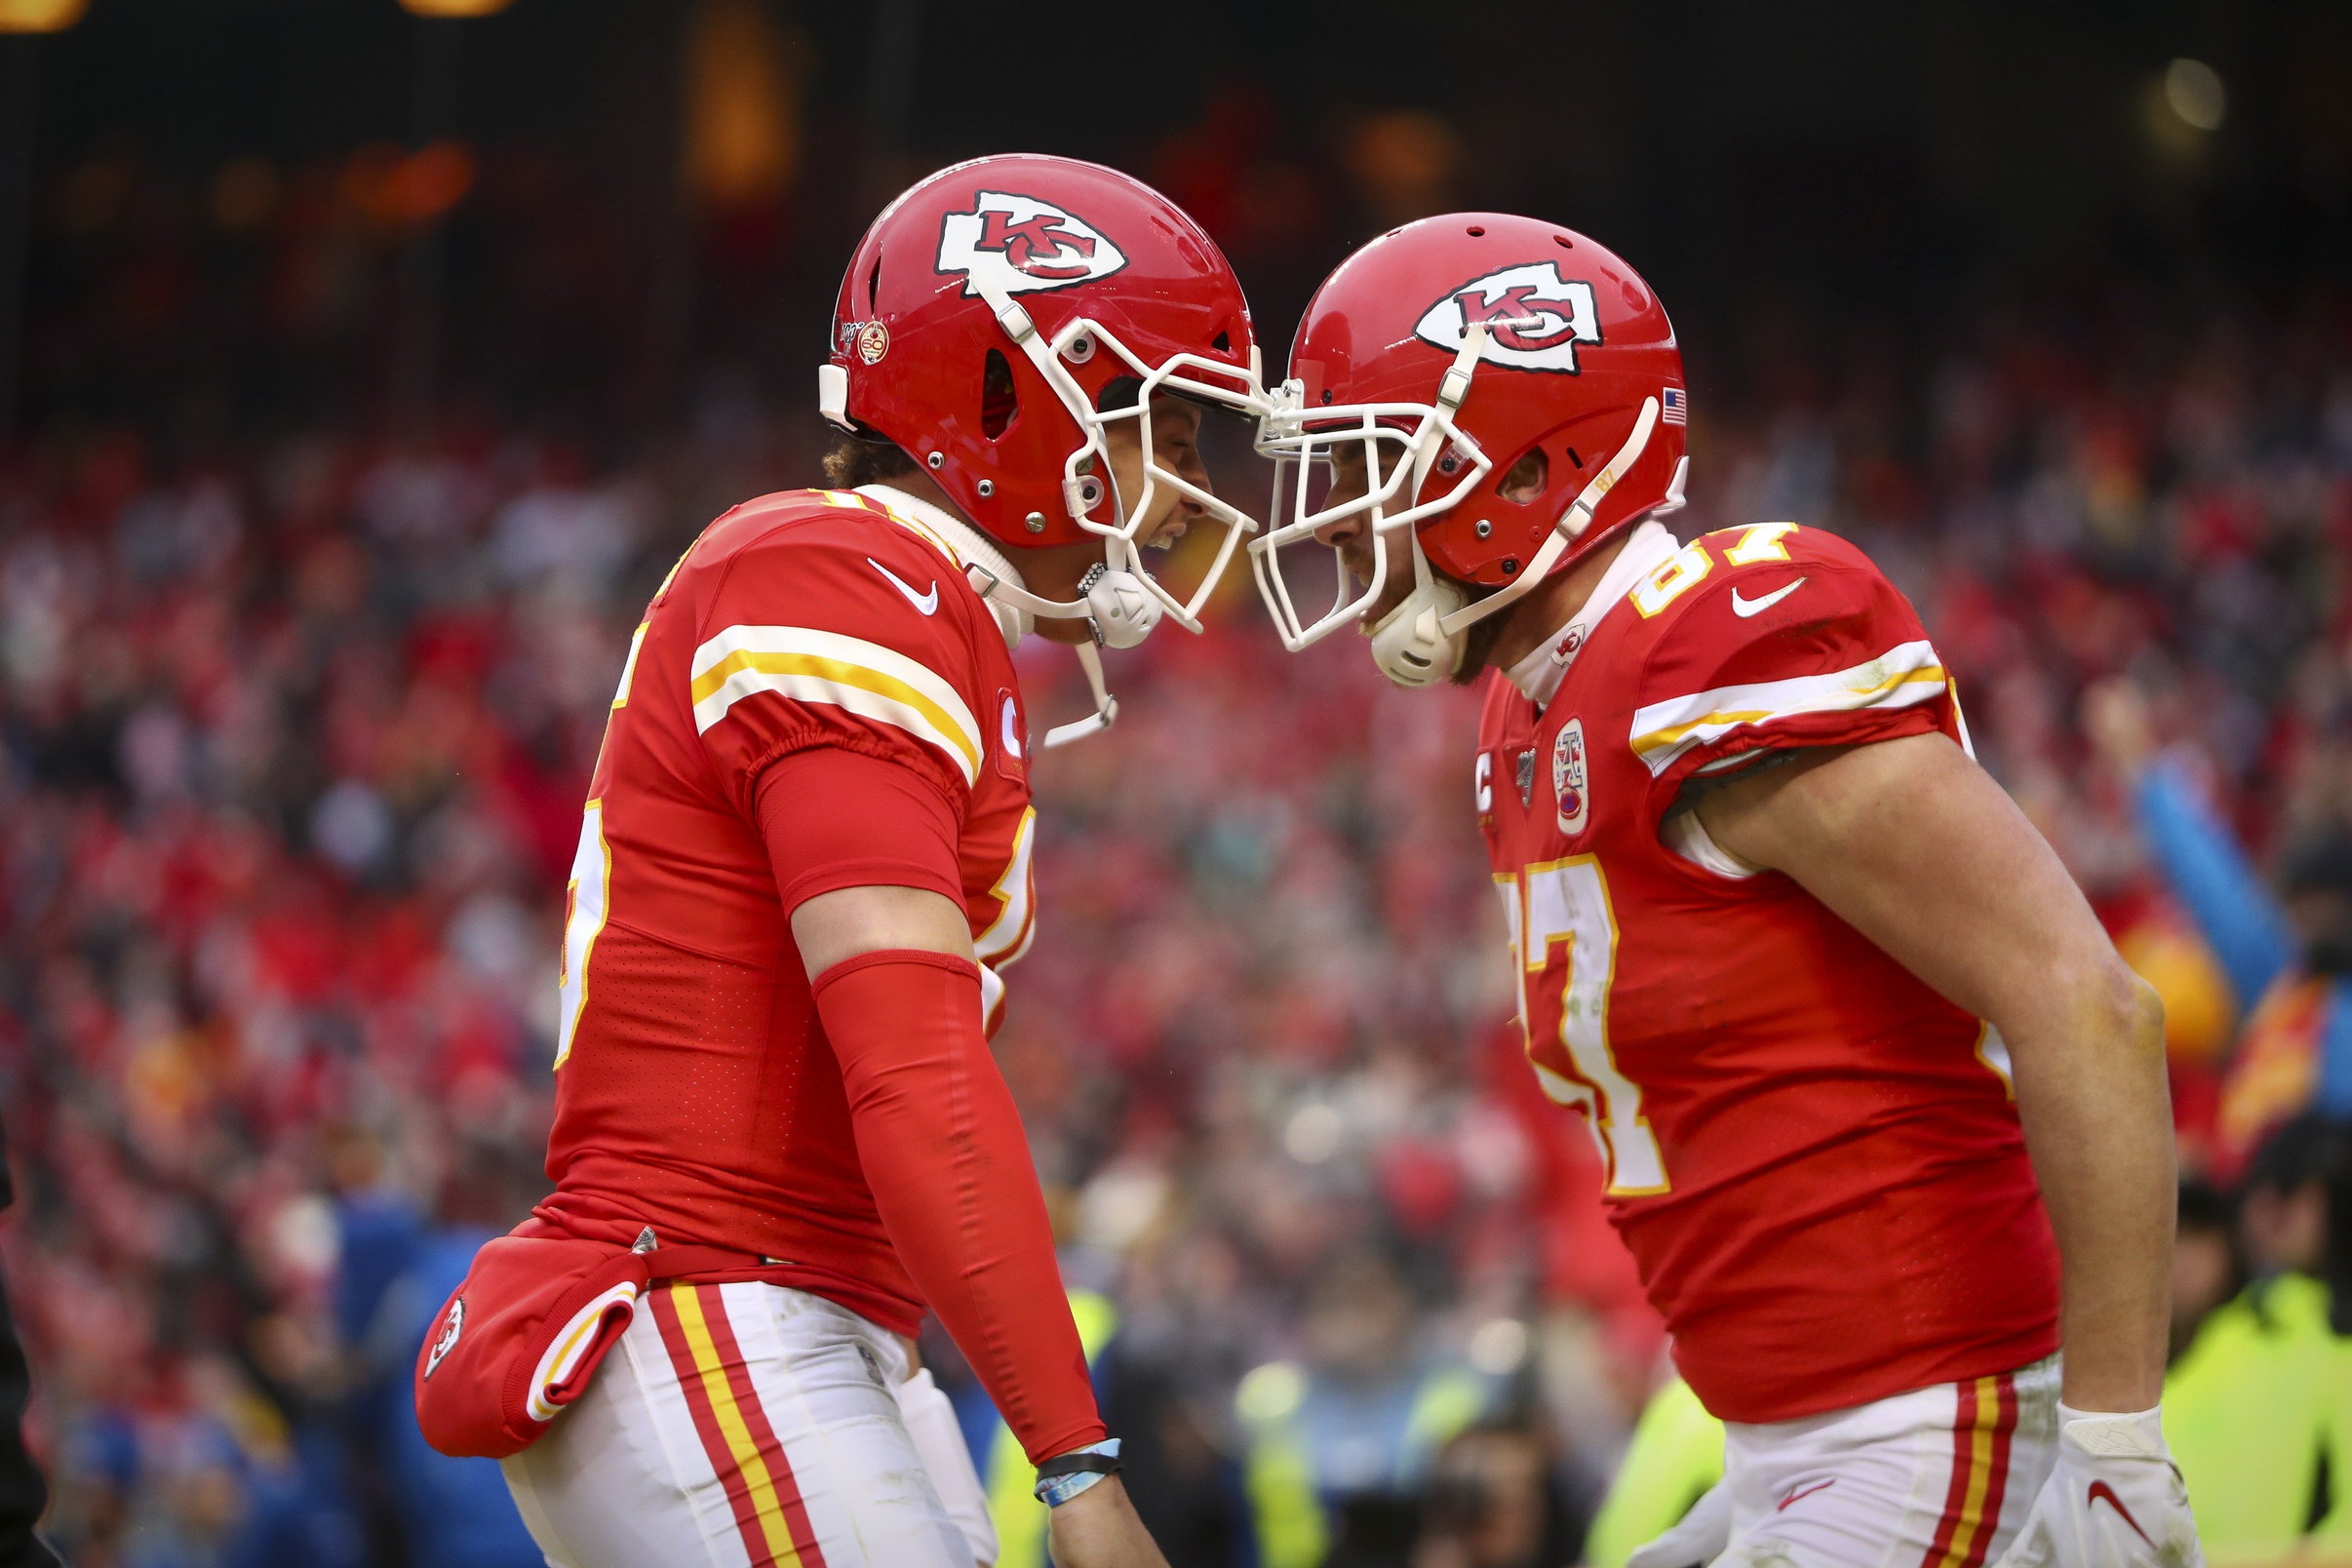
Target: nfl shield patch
{"x": 1570, "y": 795}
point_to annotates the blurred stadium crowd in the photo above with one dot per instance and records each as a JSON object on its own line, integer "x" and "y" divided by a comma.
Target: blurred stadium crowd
{"x": 296, "y": 720}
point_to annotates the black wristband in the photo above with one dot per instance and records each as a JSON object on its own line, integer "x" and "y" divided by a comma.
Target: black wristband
{"x": 1078, "y": 1461}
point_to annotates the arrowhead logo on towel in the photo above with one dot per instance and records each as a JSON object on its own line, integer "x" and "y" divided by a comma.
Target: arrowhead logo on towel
{"x": 448, "y": 1335}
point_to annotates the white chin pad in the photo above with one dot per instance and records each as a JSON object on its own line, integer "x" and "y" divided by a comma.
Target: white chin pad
{"x": 1406, "y": 642}
{"x": 1124, "y": 609}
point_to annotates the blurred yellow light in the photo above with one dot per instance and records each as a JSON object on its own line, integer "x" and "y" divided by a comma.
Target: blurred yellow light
{"x": 2194, "y": 91}
{"x": 1269, "y": 1393}
{"x": 454, "y": 8}
{"x": 742, "y": 106}
{"x": 40, "y": 15}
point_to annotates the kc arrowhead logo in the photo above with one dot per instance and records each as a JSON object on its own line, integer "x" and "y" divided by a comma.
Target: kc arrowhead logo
{"x": 1023, "y": 245}
{"x": 453, "y": 1326}
{"x": 1534, "y": 317}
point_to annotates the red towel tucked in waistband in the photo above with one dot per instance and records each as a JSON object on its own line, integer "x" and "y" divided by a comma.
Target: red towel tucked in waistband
{"x": 523, "y": 1333}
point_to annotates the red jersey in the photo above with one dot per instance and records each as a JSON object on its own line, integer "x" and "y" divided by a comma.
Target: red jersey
{"x": 1814, "y": 1157}
{"x": 696, "y": 1091}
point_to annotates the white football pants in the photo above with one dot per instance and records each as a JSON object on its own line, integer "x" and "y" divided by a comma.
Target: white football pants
{"x": 740, "y": 1426}
{"x": 1939, "y": 1477}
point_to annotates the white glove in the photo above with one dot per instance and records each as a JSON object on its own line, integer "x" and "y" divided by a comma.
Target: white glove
{"x": 931, "y": 1422}
{"x": 1124, "y": 610}
{"x": 2115, "y": 1500}
{"x": 1702, "y": 1536}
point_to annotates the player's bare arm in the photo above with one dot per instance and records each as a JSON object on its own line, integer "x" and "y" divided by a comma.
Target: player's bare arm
{"x": 1100, "y": 1526}
{"x": 853, "y": 921}
{"x": 1914, "y": 846}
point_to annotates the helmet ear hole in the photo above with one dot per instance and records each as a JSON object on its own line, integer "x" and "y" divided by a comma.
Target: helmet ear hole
{"x": 999, "y": 399}
{"x": 1529, "y": 478}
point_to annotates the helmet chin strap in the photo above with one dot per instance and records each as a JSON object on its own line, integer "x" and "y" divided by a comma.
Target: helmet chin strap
{"x": 1419, "y": 643}
{"x": 1409, "y": 642}
{"x": 1120, "y": 615}
{"x": 1114, "y": 597}
{"x": 1105, "y": 706}
{"x": 1122, "y": 612}
{"x": 1566, "y": 532}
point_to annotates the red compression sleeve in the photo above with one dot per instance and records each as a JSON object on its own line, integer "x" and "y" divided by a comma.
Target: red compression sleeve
{"x": 944, "y": 1156}
{"x": 835, "y": 818}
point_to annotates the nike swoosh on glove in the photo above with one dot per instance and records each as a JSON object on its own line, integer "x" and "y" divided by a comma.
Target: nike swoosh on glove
{"x": 1702, "y": 1536}
{"x": 2114, "y": 1501}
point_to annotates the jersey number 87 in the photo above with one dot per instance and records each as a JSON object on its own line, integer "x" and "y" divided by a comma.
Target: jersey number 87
{"x": 1560, "y": 918}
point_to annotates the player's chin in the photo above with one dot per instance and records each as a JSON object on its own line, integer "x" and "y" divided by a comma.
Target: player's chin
{"x": 1392, "y": 592}
{"x": 1378, "y": 611}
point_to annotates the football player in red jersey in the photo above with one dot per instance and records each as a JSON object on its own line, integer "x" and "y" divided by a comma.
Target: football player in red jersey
{"x": 1884, "y": 1114}
{"x": 780, "y": 1133}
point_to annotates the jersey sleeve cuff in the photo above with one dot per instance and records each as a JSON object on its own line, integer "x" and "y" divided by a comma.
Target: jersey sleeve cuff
{"x": 849, "y": 966}
{"x": 874, "y": 873}
{"x": 1744, "y": 748}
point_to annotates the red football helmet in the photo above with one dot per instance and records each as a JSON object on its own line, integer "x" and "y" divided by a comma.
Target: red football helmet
{"x": 1450, "y": 349}
{"x": 983, "y": 322}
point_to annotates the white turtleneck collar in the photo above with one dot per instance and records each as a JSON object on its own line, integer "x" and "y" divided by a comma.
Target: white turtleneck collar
{"x": 1539, "y": 672}
{"x": 973, "y": 547}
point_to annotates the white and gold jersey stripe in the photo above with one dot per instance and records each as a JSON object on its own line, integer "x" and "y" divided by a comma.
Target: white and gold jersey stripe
{"x": 1902, "y": 676}
{"x": 867, "y": 679}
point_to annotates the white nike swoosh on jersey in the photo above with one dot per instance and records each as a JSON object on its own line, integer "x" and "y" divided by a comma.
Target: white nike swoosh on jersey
{"x": 1756, "y": 607}
{"x": 926, "y": 603}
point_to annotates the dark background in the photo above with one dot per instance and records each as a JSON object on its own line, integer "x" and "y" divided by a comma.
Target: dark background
{"x": 1767, "y": 166}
